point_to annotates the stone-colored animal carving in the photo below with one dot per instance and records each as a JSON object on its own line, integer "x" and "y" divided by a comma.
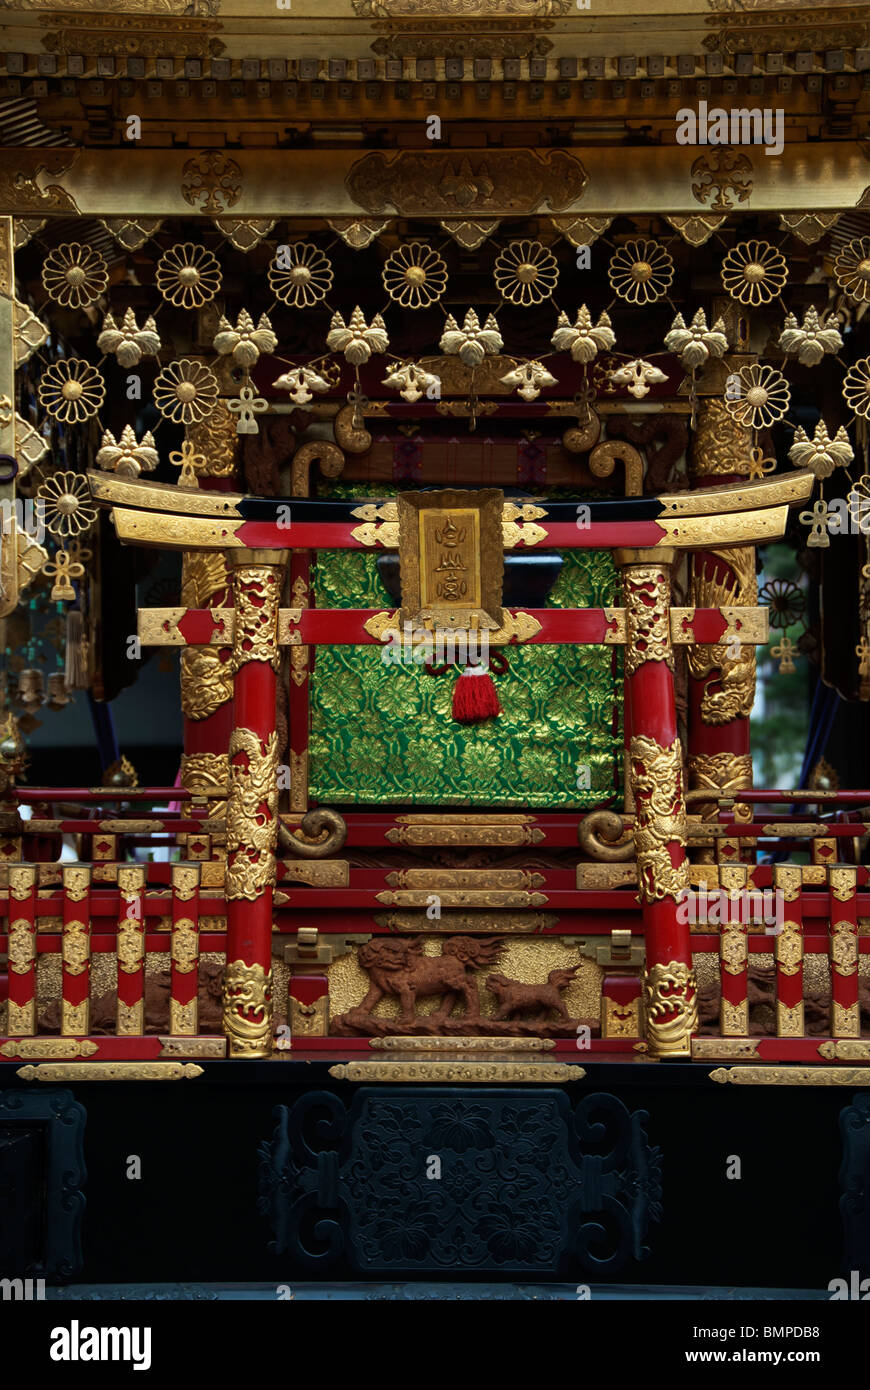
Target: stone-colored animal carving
{"x": 515, "y": 997}
{"x": 399, "y": 967}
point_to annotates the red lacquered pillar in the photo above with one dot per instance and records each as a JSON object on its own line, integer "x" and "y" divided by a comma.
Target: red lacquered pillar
{"x": 656, "y": 772}
{"x": 252, "y": 807}
{"x": 22, "y": 950}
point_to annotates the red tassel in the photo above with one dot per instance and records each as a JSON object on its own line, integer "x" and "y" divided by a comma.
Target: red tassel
{"x": 475, "y": 696}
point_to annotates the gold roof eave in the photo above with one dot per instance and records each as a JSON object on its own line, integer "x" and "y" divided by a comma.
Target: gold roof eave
{"x": 787, "y": 490}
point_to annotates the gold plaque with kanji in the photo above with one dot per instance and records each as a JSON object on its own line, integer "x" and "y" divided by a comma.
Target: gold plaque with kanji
{"x": 451, "y": 558}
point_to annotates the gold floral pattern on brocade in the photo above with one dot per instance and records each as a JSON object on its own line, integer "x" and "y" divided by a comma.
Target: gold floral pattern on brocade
{"x": 385, "y": 733}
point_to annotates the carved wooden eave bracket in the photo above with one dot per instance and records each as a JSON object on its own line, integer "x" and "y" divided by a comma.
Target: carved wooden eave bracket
{"x": 489, "y": 184}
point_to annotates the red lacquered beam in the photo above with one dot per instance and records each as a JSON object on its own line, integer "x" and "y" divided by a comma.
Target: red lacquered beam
{"x": 347, "y": 626}
{"x": 131, "y": 949}
{"x": 337, "y": 535}
{"x": 761, "y": 943}
{"x": 28, "y": 795}
{"x": 138, "y": 1048}
{"x": 599, "y": 920}
{"x": 789, "y": 954}
{"x": 166, "y": 826}
{"x": 107, "y": 902}
{"x": 848, "y": 798}
{"x": 76, "y": 951}
{"x": 301, "y": 897}
{"x": 530, "y": 880}
{"x": 50, "y": 943}
{"x": 22, "y": 950}
{"x": 509, "y": 830}
{"x": 845, "y": 1010}
{"x": 577, "y": 626}
{"x": 184, "y": 976}
{"x": 760, "y": 830}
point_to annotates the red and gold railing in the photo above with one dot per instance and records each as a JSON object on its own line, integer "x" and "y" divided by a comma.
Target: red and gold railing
{"x": 79, "y": 920}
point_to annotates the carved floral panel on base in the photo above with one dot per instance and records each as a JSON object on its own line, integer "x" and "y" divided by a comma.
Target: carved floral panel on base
{"x": 525, "y": 1183}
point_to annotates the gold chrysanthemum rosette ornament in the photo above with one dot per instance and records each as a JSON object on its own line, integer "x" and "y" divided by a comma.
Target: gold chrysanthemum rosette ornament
{"x": 764, "y": 397}
{"x": 852, "y": 269}
{"x": 188, "y": 275}
{"x": 641, "y": 272}
{"x": 67, "y": 506}
{"x": 415, "y": 276}
{"x": 301, "y": 275}
{"x": 71, "y": 390}
{"x": 68, "y": 512}
{"x": 526, "y": 273}
{"x": 186, "y": 392}
{"x": 74, "y": 275}
{"x": 754, "y": 272}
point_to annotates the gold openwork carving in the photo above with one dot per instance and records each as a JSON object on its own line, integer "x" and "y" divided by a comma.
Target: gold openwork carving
{"x": 247, "y": 1009}
{"x": 723, "y": 774}
{"x": 657, "y": 781}
{"x": 729, "y": 681}
{"x": 671, "y": 998}
{"x": 251, "y": 831}
{"x": 256, "y": 592}
{"x": 648, "y": 634}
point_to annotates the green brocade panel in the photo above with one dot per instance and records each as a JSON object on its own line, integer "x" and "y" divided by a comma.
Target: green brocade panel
{"x": 383, "y": 734}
